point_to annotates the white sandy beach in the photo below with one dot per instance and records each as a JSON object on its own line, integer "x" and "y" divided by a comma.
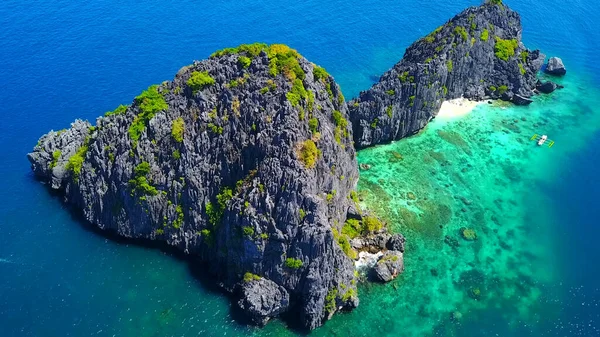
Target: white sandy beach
{"x": 458, "y": 107}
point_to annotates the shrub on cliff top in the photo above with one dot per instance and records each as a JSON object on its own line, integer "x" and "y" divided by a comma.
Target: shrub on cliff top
{"x": 118, "y": 111}
{"x": 253, "y": 50}
{"x": 309, "y": 153}
{"x": 505, "y": 49}
{"x": 319, "y": 73}
{"x": 200, "y": 80}
{"x": 177, "y": 129}
{"x": 284, "y": 60}
{"x": 244, "y": 61}
{"x": 150, "y": 102}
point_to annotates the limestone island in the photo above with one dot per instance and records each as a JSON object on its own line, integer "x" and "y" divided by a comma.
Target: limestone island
{"x": 246, "y": 161}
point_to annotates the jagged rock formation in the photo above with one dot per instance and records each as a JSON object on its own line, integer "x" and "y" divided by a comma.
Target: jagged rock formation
{"x": 478, "y": 54}
{"x": 389, "y": 266}
{"x": 262, "y": 299}
{"x": 244, "y": 160}
{"x": 555, "y": 66}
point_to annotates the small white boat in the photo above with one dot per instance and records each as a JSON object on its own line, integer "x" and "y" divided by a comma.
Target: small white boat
{"x": 542, "y": 140}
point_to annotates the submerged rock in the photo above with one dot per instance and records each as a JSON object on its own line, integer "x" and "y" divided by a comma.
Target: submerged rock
{"x": 476, "y": 55}
{"x": 520, "y": 100}
{"x": 548, "y": 87}
{"x": 555, "y": 66}
{"x": 237, "y": 161}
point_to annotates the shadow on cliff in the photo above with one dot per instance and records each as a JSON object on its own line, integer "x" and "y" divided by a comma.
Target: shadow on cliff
{"x": 196, "y": 268}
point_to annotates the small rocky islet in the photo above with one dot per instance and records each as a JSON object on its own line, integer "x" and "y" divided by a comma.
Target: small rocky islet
{"x": 246, "y": 161}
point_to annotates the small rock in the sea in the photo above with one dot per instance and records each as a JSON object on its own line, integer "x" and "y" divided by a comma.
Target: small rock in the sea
{"x": 365, "y": 167}
{"x": 389, "y": 266}
{"x": 555, "y": 66}
{"x": 411, "y": 196}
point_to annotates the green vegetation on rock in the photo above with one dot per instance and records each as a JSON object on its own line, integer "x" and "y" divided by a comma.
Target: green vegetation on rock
{"x": 140, "y": 183}
{"x": 502, "y": 89}
{"x": 505, "y": 49}
{"x": 75, "y": 163}
{"x": 522, "y": 69}
{"x": 284, "y": 60}
{"x": 251, "y": 277}
{"x": 296, "y": 93}
{"x": 215, "y": 212}
{"x": 292, "y": 263}
{"x": 462, "y": 32}
{"x": 319, "y": 73}
{"x": 244, "y": 61}
{"x": 313, "y": 125}
{"x": 120, "y": 110}
{"x": 178, "y": 222}
{"x": 485, "y": 35}
{"x": 55, "y": 156}
{"x": 248, "y": 231}
{"x": 177, "y": 129}
{"x": 200, "y": 80}
{"x": 150, "y": 102}
{"x": 450, "y": 65}
{"x": 330, "y": 300}
{"x": 309, "y": 153}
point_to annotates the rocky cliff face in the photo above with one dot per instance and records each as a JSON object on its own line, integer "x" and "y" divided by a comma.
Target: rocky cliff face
{"x": 244, "y": 160}
{"x": 477, "y": 54}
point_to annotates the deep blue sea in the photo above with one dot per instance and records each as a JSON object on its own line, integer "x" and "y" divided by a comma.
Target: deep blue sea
{"x": 66, "y": 59}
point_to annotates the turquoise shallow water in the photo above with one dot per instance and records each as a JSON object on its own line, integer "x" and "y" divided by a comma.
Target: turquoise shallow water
{"x": 534, "y": 210}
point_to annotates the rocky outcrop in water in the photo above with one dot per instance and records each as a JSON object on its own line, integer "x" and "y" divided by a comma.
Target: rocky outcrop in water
{"x": 244, "y": 160}
{"x": 390, "y": 265}
{"x": 262, "y": 299}
{"x": 555, "y": 66}
{"x": 478, "y": 54}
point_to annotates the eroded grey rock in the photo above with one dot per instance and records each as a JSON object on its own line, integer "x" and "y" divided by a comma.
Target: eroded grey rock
{"x": 389, "y": 266}
{"x": 262, "y": 299}
{"x": 556, "y": 67}
{"x": 234, "y": 191}
{"x": 396, "y": 242}
{"x": 456, "y": 60}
